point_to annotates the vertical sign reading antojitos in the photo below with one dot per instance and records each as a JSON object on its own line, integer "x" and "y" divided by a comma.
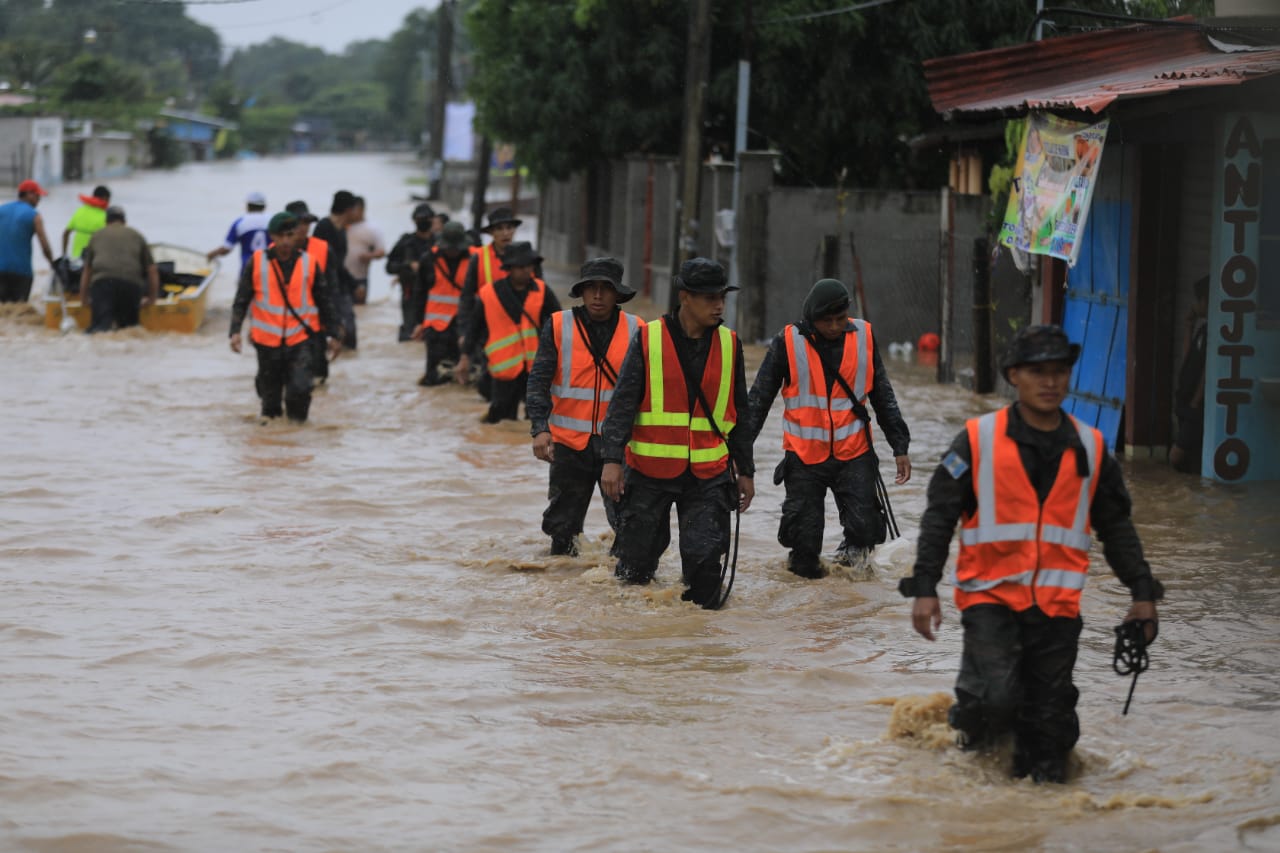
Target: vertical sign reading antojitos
{"x": 1058, "y": 166}
{"x": 1227, "y": 447}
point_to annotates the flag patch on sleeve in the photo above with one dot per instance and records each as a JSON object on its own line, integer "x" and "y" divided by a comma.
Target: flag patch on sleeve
{"x": 955, "y": 465}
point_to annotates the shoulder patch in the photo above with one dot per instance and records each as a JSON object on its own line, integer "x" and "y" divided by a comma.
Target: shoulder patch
{"x": 955, "y": 465}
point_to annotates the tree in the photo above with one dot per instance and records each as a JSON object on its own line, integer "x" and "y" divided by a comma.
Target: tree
{"x": 833, "y": 93}
{"x": 89, "y": 78}
{"x": 600, "y": 92}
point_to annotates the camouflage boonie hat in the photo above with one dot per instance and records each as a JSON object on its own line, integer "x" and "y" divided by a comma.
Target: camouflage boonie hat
{"x": 1035, "y": 344}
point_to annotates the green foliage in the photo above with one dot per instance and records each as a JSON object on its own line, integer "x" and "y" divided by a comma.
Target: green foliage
{"x": 1000, "y": 182}
{"x": 98, "y": 78}
{"x": 614, "y": 93}
{"x": 267, "y": 129}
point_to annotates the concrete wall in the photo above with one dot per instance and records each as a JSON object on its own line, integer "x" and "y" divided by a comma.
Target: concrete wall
{"x": 789, "y": 237}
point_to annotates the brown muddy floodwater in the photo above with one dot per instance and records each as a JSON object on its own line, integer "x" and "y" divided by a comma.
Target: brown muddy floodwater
{"x": 348, "y": 636}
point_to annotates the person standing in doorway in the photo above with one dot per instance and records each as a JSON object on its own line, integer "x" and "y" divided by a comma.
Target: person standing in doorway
{"x": 508, "y": 316}
{"x": 673, "y": 417}
{"x": 1188, "y": 400}
{"x": 280, "y": 288}
{"x": 249, "y": 231}
{"x": 1029, "y": 485}
{"x": 828, "y": 368}
{"x": 570, "y": 385}
{"x": 19, "y": 221}
{"x": 117, "y": 263}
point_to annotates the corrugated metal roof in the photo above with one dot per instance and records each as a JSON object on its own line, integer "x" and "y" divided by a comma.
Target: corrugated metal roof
{"x": 1090, "y": 71}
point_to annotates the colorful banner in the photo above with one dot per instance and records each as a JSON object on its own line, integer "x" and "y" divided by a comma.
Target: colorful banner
{"x": 1058, "y": 166}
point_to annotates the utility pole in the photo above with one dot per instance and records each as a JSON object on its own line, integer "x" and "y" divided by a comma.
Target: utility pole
{"x": 697, "y": 70}
{"x": 444, "y": 65}
{"x": 739, "y": 145}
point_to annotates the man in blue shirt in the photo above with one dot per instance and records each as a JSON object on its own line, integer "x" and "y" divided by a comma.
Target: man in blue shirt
{"x": 249, "y": 231}
{"x": 18, "y": 222}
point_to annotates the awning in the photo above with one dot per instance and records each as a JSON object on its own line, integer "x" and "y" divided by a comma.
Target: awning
{"x": 1090, "y": 71}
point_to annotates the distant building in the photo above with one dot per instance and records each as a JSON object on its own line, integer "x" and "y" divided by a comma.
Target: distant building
{"x": 30, "y": 147}
{"x": 199, "y": 135}
{"x": 92, "y": 154}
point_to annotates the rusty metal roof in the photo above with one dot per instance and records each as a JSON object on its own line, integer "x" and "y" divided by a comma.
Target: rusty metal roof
{"x": 1091, "y": 70}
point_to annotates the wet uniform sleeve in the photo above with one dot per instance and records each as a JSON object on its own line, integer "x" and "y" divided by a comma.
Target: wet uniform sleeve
{"x": 1110, "y": 515}
{"x": 885, "y": 402}
{"x": 397, "y": 262}
{"x": 740, "y": 442}
{"x": 322, "y": 292}
{"x": 244, "y": 295}
{"x": 770, "y": 378}
{"x": 537, "y": 403}
{"x": 474, "y": 328}
{"x": 467, "y": 307}
{"x": 950, "y": 496}
{"x": 627, "y": 394}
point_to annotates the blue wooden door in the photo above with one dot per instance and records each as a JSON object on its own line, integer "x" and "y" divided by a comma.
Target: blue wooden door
{"x": 1096, "y": 315}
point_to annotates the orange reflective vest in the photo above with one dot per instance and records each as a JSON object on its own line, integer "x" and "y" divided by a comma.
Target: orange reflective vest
{"x": 512, "y": 345}
{"x": 667, "y": 438}
{"x": 582, "y": 390}
{"x": 1013, "y": 550}
{"x": 318, "y": 249}
{"x": 442, "y": 299}
{"x": 817, "y": 426}
{"x": 489, "y": 267}
{"x": 271, "y": 323}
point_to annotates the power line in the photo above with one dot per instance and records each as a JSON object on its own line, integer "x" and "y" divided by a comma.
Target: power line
{"x": 815, "y": 15}
{"x": 307, "y": 14}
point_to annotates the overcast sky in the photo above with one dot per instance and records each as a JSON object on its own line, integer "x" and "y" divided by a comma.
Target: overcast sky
{"x": 330, "y": 24}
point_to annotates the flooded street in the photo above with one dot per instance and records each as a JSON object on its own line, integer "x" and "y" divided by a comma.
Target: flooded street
{"x": 349, "y": 636}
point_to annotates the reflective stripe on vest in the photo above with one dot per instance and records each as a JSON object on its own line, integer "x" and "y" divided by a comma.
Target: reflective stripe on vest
{"x": 1014, "y": 550}
{"x": 271, "y": 323}
{"x": 581, "y": 393}
{"x": 442, "y": 307}
{"x": 665, "y": 440}
{"x": 817, "y": 426}
{"x": 488, "y": 257}
{"x": 512, "y": 344}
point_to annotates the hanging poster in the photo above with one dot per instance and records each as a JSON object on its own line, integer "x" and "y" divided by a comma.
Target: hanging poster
{"x": 1058, "y": 166}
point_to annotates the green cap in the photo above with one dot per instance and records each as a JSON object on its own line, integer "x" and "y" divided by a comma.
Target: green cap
{"x": 282, "y": 222}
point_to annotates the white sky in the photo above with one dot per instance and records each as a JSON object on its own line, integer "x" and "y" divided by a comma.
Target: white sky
{"x": 330, "y": 24}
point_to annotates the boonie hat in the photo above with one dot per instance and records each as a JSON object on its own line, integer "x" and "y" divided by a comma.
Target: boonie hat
{"x": 501, "y": 216}
{"x": 1034, "y": 344}
{"x": 703, "y": 275}
{"x": 520, "y": 255}
{"x": 30, "y": 186}
{"x": 282, "y": 222}
{"x": 608, "y": 270}
{"x": 256, "y": 198}
{"x": 423, "y": 211}
{"x": 453, "y": 236}
{"x": 299, "y": 209}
